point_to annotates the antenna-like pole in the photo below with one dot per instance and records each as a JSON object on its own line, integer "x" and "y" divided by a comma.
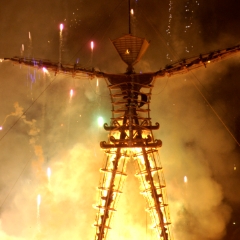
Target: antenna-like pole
{"x": 129, "y": 17}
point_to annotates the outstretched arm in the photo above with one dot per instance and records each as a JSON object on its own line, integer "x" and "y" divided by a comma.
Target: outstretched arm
{"x": 185, "y": 65}
{"x": 46, "y": 65}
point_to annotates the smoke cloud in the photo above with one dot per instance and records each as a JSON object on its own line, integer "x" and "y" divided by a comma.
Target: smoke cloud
{"x": 64, "y": 135}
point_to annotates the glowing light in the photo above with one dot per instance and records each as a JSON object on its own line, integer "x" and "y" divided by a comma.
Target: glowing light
{"x": 38, "y": 210}
{"x": 132, "y": 12}
{"x": 49, "y": 172}
{"x": 61, "y": 27}
{"x": 127, "y": 52}
{"x": 209, "y": 61}
{"x": 45, "y": 70}
{"x": 97, "y": 86}
{"x": 100, "y": 121}
{"x": 169, "y": 18}
{"x": 71, "y": 93}
{"x": 38, "y": 199}
{"x": 234, "y": 167}
{"x": 185, "y": 179}
{"x": 60, "y": 45}
{"x": 1, "y": 128}
{"x": 92, "y": 45}
{"x": 29, "y": 35}
{"x": 22, "y": 50}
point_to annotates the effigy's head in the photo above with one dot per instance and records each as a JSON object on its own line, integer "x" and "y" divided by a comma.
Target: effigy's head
{"x": 130, "y": 49}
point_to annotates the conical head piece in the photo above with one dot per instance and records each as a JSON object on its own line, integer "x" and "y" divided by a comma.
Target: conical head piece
{"x": 130, "y": 48}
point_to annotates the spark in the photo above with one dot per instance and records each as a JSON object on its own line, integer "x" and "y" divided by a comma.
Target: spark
{"x": 38, "y": 200}
{"x": 185, "y": 179}
{"x": 97, "y": 86}
{"x": 132, "y": 12}
{"x": 190, "y": 18}
{"x": 45, "y": 70}
{"x": 100, "y": 121}
{"x": 61, "y": 27}
{"x": 92, "y": 45}
{"x": 234, "y": 167}
{"x": 169, "y": 18}
{"x": 29, "y": 45}
{"x": 22, "y": 50}
{"x": 71, "y": 93}
{"x": 168, "y": 31}
{"x": 38, "y": 211}
{"x": 60, "y": 45}
{"x": 1, "y": 128}
{"x": 49, "y": 172}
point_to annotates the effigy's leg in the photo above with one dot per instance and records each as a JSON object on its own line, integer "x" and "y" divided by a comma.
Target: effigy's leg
{"x": 153, "y": 188}
{"x": 110, "y": 187}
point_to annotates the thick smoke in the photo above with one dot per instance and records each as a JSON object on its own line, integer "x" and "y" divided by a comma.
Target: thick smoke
{"x": 63, "y": 135}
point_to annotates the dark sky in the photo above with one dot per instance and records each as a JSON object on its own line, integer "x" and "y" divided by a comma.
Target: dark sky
{"x": 63, "y": 133}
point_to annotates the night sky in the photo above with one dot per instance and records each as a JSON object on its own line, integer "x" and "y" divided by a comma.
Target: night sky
{"x": 42, "y": 127}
